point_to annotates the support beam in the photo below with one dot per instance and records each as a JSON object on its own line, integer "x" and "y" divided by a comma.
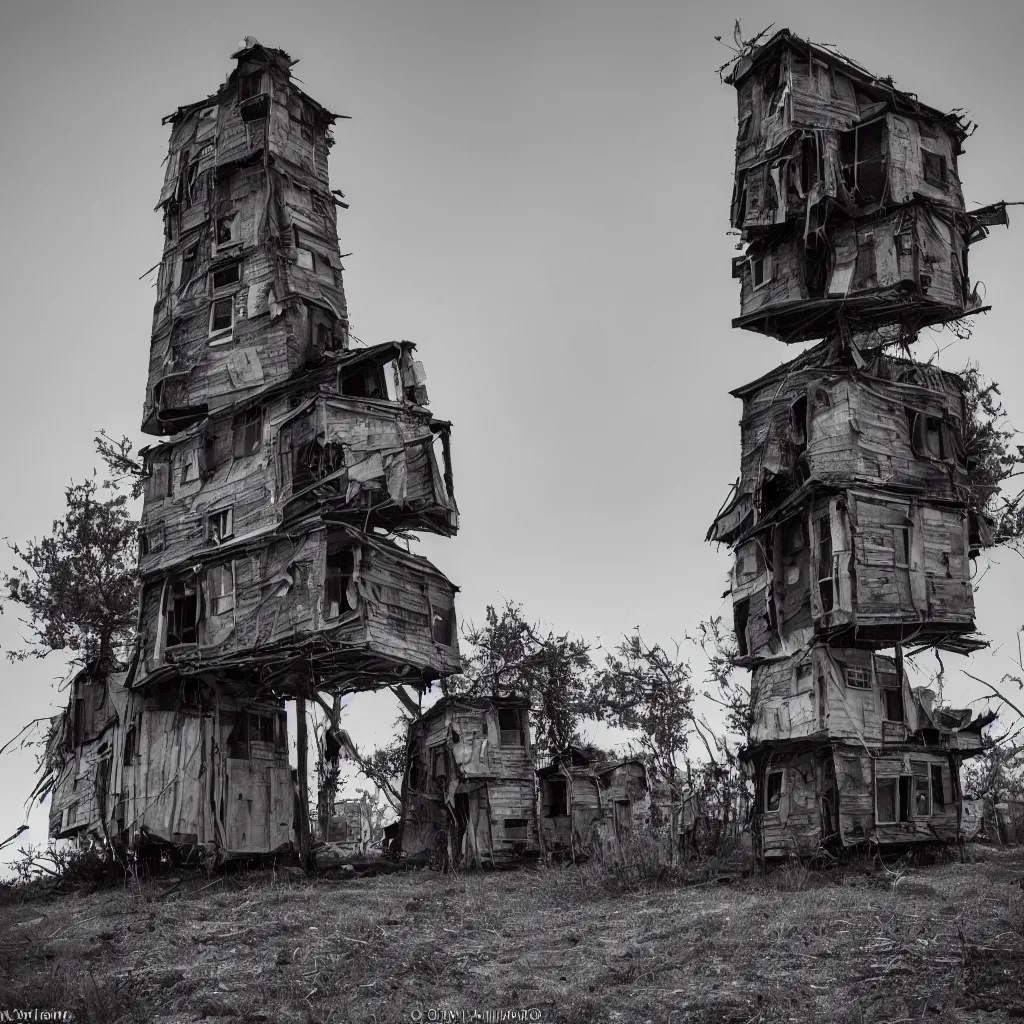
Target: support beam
{"x": 302, "y": 741}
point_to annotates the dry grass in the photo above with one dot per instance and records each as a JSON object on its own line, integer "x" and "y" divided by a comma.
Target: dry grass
{"x": 943, "y": 944}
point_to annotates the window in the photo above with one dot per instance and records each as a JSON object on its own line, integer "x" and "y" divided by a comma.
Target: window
{"x": 221, "y": 583}
{"x": 227, "y": 233}
{"x": 938, "y": 793}
{"x": 761, "y": 268}
{"x": 510, "y": 727}
{"x": 160, "y": 483}
{"x": 222, "y": 319}
{"x": 863, "y": 164}
{"x": 182, "y": 610}
{"x": 338, "y": 576}
{"x": 238, "y": 738}
{"x": 188, "y": 265}
{"x": 227, "y": 276}
{"x": 905, "y": 244}
{"x": 934, "y": 167}
{"x": 798, "y": 423}
{"x": 364, "y": 382}
{"x": 304, "y": 259}
{"x": 318, "y": 203}
{"x": 128, "y": 754}
{"x": 922, "y": 789}
{"x": 773, "y": 791}
{"x": 926, "y": 435}
{"x": 893, "y": 702}
{"x": 247, "y": 433}
{"x": 444, "y": 626}
{"x": 189, "y": 461}
{"x": 858, "y": 677}
{"x": 321, "y": 332}
{"x": 249, "y": 85}
{"x": 887, "y": 800}
{"x": 262, "y": 729}
{"x": 556, "y": 798}
{"x": 207, "y": 123}
{"x": 195, "y": 186}
{"x": 220, "y": 525}
{"x": 151, "y": 541}
{"x": 515, "y": 830}
{"x": 740, "y": 616}
{"x": 438, "y": 763}
{"x": 826, "y": 582}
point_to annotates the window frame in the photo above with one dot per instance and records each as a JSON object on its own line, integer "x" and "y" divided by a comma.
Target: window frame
{"x": 222, "y": 335}
{"x": 235, "y": 240}
{"x": 920, "y": 774}
{"x": 504, "y": 735}
{"x": 773, "y": 792}
{"x": 240, "y": 431}
{"x": 214, "y": 530}
{"x": 221, "y": 602}
{"x": 767, "y": 265}
{"x": 888, "y": 781}
{"x": 260, "y": 77}
{"x": 228, "y": 287}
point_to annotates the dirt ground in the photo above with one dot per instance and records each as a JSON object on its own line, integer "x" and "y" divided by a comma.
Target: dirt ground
{"x": 938, "y": 944}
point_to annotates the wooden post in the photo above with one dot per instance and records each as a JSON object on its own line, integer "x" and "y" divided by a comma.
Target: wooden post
{"x": 302, "y": 742}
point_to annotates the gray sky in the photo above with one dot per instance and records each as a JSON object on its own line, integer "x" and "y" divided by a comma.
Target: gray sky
{"x": 539, "y": 199}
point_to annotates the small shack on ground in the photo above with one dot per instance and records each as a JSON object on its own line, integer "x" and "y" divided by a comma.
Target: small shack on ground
{"x": 588, "y": 805}
{"x": 468, "y": 792}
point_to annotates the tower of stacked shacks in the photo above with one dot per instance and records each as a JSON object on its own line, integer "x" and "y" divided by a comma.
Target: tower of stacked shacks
{"x": 851, "y": 523}
{"x": 291, "y": 466}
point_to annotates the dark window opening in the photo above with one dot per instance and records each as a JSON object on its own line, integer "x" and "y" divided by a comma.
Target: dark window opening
{"x": 249, "y": 86}
{"x": 773, "y": 791}
{"x": 863, "y": 163}
{"x": 238, "y": 738}
{"x": 741, "y": 615}
{"x": 926, "y": 435}
{"x": 938, "y": 794}
{"x": 188, "y": 265}
{"x": 826, "y": 580}
{"x": 556, "y": 797}
{"x": 247, "y": 433}
{"x": 261, "y": 729}
{"x": 182, "y": 612}
{"x": 444, "y": 626}
{"x": 905, "y": 784}
{"x": 226, "y": 276}
{"x": 886, "y": 801}
{"x": 934, "y": 167}
{"x": 364, "y": 383}
{"x": 798, "y": 424}
{"x": 922, "y": 789}
{"x": 222, "y": 316}
{"x": 510, "y": 727}
{"x": 893, "y": 701}
{"x": 515, "y": 829}
{"x": 128, "y": 754}
{"x": 226, "y": 230}
{"x": 340, "y": 567}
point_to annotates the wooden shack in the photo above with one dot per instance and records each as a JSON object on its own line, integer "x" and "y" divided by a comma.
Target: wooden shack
{"x": 196, "y": 767}
{"x": 844, "y": 753}
{"x": 468, "y": 793}
{"x": 589, "y": 806}
{"x": 848, "y": 193}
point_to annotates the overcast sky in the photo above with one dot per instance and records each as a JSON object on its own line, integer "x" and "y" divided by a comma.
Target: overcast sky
{"x": 539, "y": 199}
